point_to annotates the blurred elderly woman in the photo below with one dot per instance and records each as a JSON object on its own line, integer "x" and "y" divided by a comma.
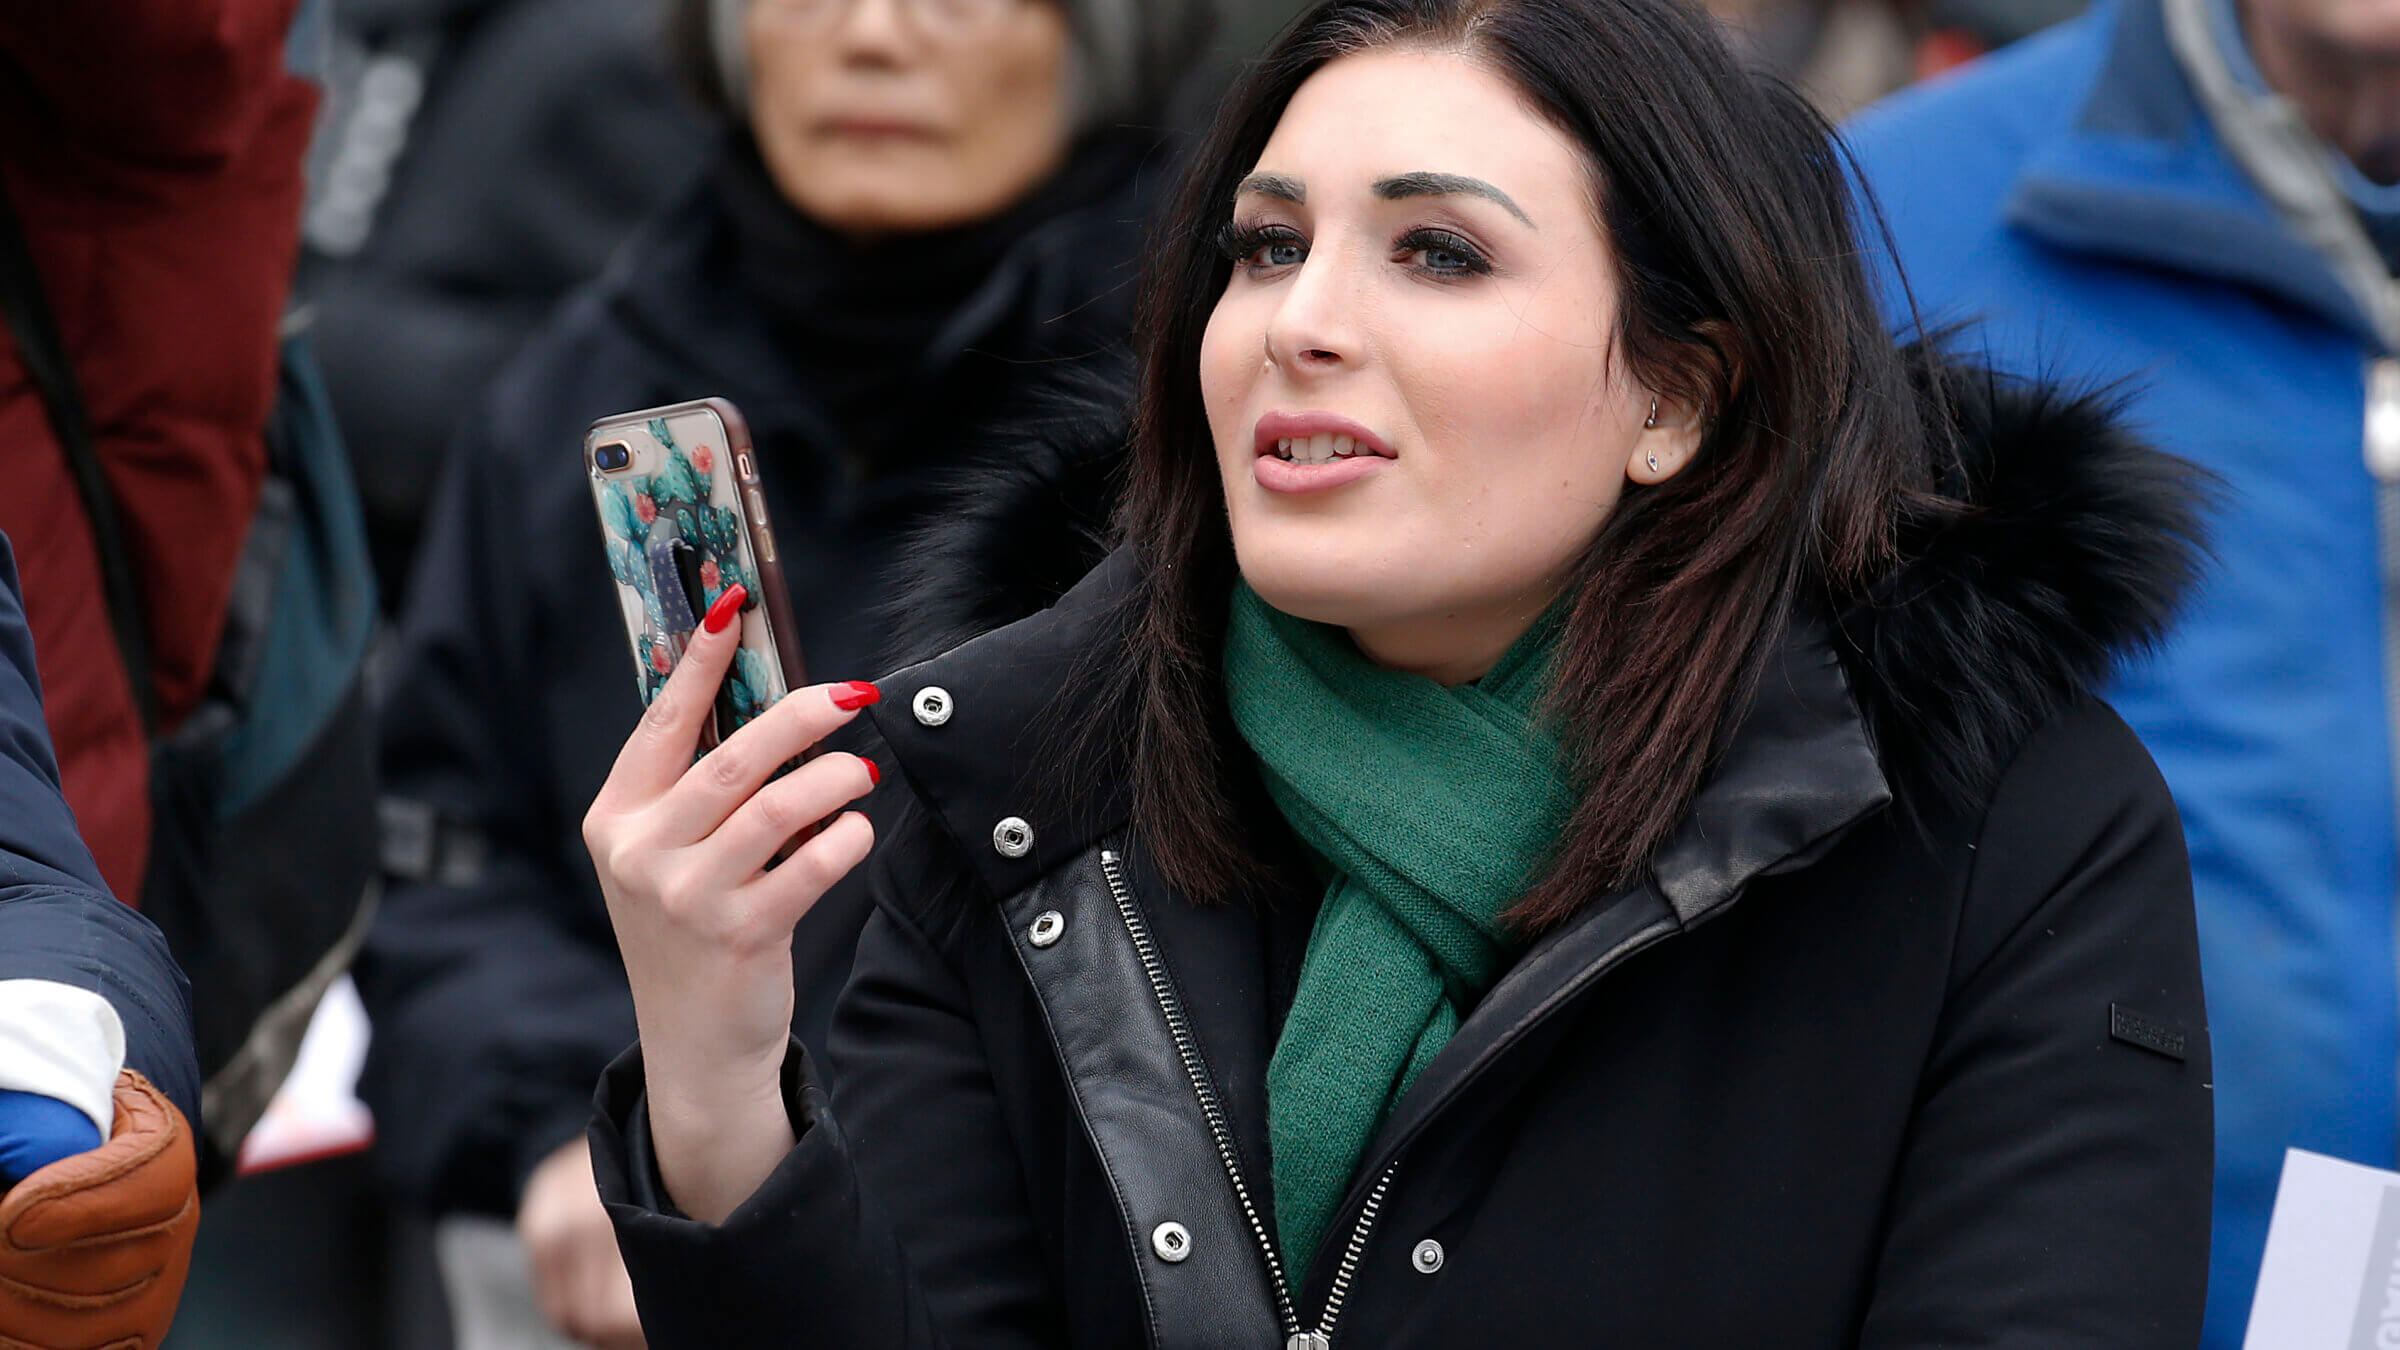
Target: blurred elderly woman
{"x": 920, "y": 204}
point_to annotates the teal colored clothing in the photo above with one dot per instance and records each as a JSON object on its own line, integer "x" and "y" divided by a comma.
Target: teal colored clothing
{"x": 1430, "y": 808}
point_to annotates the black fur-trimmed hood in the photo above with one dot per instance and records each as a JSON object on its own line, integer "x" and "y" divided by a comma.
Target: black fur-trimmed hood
{"x": 1014, "y": 532}
{"x": 2078, "y": 543}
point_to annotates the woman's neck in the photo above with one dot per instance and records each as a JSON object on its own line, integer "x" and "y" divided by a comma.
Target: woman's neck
{"x": 1450, "y": 649}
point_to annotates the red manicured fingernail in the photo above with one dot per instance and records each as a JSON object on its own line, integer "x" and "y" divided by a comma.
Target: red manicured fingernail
{"x": 728, "y": 605}
{"x": 855, "y": 694}
{"x": 874, "y": 775}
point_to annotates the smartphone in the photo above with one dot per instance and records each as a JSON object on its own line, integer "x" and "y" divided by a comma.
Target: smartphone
{"x": 684, "y": 520}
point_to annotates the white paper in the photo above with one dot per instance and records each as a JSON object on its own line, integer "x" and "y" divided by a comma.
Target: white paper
{"x": 2331, "y": 1279}
{"x": 317, "y": 1113}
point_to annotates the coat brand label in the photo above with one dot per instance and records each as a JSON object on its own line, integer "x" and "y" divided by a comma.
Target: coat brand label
{"x": 2150, "y": 1033}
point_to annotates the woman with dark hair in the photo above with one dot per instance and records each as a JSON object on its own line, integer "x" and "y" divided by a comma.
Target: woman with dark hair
{"x": 1573, "y": 813}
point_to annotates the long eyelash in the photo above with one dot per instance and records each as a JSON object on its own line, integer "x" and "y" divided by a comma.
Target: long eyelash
{"x": 1238, "y": 241}
{"x": 1446, "y": 242}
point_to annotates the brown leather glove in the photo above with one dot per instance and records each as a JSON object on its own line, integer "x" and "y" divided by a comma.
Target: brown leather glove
{"x": 94, "y": 1248}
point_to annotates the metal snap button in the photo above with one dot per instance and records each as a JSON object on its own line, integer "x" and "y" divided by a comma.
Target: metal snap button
{"x": 932, "y": 705}
{"x": 1171, "y": 1241}
{"x": 1012, "y": 838}
{"x": 1048, "y": 927}
{"x": 1427, "y": 1258}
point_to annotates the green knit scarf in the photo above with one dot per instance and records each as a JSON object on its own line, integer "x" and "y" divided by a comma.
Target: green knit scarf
{"x": 1430, "y": 807}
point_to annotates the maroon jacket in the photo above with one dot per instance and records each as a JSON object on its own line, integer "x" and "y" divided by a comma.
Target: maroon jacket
{"x": 153, "y": 149}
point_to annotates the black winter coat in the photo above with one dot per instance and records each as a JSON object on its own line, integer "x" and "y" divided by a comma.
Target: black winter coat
{"x": 491, "y": 974}
{"x": 1898, "y": 1043}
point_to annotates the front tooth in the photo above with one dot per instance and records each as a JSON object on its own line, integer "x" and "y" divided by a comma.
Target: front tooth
{"x": 1320, "y": 448}
{"x": 1344, "y": 446}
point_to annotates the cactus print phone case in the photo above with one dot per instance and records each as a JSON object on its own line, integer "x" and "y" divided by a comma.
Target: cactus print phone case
{"x": 683, "y": 520}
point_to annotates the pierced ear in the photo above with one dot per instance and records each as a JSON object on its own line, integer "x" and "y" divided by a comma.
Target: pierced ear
{"x": 1677, "y": 423}
{"x": 1670, "y": 439}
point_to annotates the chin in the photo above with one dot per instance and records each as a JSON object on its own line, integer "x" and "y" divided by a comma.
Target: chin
{"x": 2366, "y": 27}
{"x": 873, "y": 211}
{"x": 1345, "y": 591}
{"x": 880, "y": 193}
{"x": 1313, "y": 603}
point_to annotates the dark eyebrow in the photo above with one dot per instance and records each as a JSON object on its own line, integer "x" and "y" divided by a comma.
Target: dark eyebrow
{"x": 1402, "y": 185}
{"x": 1282, "y": 187}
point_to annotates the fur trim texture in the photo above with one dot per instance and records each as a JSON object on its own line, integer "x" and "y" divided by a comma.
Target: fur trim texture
{"x": 2075, "y": 546}
{"x": 1015, "y": 531}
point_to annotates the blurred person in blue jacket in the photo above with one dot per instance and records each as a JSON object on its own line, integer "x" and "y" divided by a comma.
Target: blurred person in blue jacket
{"x": 2201, "y": 199}
{"x": 98, "y": 1079}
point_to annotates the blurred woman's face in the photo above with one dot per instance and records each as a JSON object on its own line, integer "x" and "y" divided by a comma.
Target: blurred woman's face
{"x": 1409, "y": 377}
{"x": 902, "y": 116}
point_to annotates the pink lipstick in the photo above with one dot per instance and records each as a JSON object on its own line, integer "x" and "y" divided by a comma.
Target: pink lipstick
{"x": 1314, "y": 452}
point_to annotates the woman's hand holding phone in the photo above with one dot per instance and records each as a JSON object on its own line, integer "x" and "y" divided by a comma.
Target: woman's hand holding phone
{"x": 686, "y": 853}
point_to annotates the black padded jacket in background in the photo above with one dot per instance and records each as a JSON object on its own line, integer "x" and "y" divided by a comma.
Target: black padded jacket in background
{"x": 492, "y": 976}
{"x": 1898, "y": 1043}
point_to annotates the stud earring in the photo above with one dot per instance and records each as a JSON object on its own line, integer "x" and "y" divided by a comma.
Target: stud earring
{"x": 1650, "y": 423}
{"x": 1654, "y": 464}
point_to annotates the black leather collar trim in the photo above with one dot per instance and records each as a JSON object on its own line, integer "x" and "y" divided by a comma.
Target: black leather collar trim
{"x": 1141, "y": 1112}
{"x": 1800, "y": 771}
{"x": 1019, "y": 701}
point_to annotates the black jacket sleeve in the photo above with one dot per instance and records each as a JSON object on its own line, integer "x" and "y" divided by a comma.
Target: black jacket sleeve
{"x": 889, "y": 1224}
{"x": 57, "y": 919}
{"x": 2072, "y": 1068}
{"x": 491, "y": 975}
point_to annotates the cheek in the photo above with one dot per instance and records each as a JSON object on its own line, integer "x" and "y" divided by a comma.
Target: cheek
{"x": 1009, "y": 106}
{"x": 780, "y": 78}
{"x": 1016, "y": 107}
{"x": 1231, "y": 353}
{"x": 1533, "y": 461}
{"x": 1528, "y": 368}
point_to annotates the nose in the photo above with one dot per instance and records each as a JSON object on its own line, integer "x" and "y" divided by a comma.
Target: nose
{"x": 872, "y": 31}
{"x": 1316, "y": 328}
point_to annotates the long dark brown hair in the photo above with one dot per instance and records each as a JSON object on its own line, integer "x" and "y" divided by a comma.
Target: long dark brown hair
{"x": 1723, "y": 196}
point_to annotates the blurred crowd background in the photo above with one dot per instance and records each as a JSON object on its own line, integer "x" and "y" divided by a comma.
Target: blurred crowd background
{"x": 476, "y": 159}
{"x": 474, "y": 162}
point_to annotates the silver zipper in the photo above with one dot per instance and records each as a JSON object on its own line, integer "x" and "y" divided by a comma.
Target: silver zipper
{"x": 1172, "y": 1006}
{"x": 1349, "y": 1267}
{"x": 1152, "y": 966}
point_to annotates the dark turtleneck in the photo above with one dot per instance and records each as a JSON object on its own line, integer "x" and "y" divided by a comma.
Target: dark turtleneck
{"x": 873, "y": 329}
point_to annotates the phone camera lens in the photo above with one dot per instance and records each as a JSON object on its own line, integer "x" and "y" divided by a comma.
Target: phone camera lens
{"x": 613, "y": 456}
